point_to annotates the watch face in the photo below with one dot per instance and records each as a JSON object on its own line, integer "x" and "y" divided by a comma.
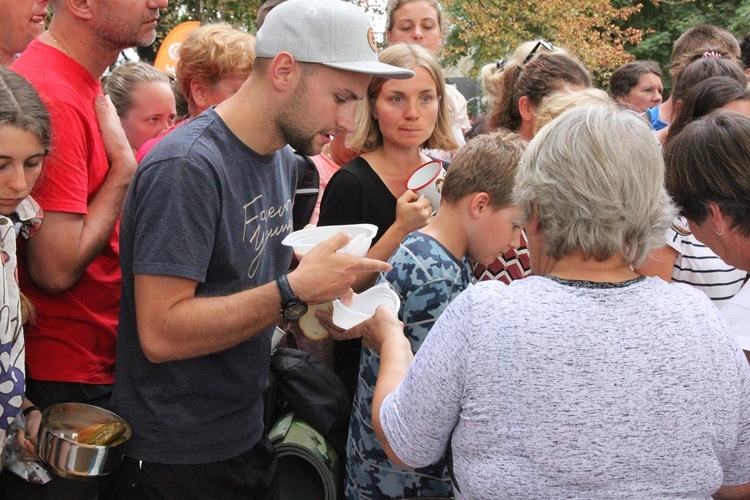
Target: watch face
{"x": 295, "y": 310}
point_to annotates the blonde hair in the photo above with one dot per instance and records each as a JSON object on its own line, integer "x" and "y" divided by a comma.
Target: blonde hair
{"x": 367, "y": 136}
{"x": 119, "y": 84}
{"x": 558, "y": 102}
{"x": 213, "y": 52}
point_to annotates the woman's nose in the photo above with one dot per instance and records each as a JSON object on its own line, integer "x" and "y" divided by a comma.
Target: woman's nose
{"x": 17, "y": 180}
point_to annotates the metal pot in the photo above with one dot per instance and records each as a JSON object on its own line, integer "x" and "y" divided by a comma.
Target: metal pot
{"x": 57, "y": 447}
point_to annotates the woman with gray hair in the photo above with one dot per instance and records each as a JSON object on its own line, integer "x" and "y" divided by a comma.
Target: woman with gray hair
{"x": 591, "y": 381}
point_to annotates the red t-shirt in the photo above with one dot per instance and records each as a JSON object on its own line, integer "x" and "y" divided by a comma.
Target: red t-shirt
{"x": 73, "y": 339}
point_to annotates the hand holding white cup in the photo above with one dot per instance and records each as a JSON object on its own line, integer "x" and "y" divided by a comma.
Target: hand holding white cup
{"x": 427, "y": 181}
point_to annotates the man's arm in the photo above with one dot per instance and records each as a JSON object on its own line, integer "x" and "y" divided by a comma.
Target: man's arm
{"x": 174, "y": 324}
{"x": 67, "y": 243}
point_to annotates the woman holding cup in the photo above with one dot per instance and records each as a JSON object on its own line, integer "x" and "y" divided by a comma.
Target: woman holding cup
{"x": 394, "y": 122}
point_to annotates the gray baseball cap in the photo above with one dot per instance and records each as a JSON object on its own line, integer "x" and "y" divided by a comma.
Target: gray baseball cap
{"x": 333, "y": 33}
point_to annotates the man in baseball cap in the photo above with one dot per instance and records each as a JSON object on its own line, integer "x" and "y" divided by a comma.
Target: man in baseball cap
{"x": 204, "y": 271}
{"x": 327, "y": 33}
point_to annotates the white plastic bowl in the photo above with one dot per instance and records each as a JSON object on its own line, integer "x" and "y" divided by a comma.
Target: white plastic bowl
{"x": 364, "y": 305}
{"x": 305, "y": 239}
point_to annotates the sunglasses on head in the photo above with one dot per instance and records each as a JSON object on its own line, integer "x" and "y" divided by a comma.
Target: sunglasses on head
{"x": 541, "y": 43}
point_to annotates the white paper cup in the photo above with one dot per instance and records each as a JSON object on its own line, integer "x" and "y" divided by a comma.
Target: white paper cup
{"x": 427, "y": 181}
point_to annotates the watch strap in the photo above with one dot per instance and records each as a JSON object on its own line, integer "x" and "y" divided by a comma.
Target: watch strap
{"x": 285, "y": 290}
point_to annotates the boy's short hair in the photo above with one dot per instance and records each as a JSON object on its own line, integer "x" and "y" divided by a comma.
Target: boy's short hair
{"x": 485, "y": 164}
{"x": 699, "y": 39}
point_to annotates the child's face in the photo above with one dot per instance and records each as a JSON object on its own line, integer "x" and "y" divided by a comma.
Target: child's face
{"x": 21, "y": 156}
{"x": 407, "y": 110}
{"x": 498, "y": 230}
{"x": 151, "y": 113}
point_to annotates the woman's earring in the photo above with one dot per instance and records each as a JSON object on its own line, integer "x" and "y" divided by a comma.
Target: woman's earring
{"x": 720, "y": 233}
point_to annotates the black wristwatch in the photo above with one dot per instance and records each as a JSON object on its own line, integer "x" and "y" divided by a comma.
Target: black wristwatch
{"x": 291, "y": 306}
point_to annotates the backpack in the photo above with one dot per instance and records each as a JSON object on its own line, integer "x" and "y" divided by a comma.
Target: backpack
{"x": 298, "y": 381}
{"x": 306, "y": 193}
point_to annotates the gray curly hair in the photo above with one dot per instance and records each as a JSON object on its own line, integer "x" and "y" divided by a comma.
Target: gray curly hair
{"x": 594, "y": 178}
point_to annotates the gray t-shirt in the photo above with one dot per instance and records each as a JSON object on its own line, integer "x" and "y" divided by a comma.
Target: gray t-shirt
{"x": 201, "y": 206}
{"x": 578, "y": 391}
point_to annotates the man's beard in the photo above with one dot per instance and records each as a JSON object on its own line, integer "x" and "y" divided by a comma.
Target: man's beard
{"x": 116, "y": 35}
{"x": 291, "y": 121}
{"x": 298, "y": 139}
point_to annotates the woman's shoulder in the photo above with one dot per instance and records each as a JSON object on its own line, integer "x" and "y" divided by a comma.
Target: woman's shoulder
{"x": 357, "y": 167}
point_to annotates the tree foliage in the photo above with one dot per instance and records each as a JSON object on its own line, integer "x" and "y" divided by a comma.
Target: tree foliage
{"x": 663, "y": 21}
{"x": 238, "y": 13}
{"x": 602, "y": 33}
{"x": 488, "y": 30}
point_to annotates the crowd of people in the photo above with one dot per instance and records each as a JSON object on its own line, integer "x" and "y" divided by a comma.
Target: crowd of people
{"x": 573, "y": 313}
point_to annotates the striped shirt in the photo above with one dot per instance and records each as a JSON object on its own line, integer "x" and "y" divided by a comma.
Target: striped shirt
{"x": 699, "y": 266}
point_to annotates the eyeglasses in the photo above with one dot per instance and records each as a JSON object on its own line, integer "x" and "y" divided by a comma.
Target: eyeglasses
{"x": 541, "y": 43}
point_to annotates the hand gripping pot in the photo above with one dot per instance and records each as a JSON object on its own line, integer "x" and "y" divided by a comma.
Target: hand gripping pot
{"x": 57, "y": 446}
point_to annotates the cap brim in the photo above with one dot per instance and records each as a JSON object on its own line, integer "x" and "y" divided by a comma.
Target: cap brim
{"x": 373, "y": 68}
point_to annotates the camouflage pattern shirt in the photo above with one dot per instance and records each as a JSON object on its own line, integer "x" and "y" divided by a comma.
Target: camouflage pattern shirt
{"x": 427, "y": 277}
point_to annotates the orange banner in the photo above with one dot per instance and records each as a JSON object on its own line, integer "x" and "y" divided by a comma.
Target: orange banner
{"x": 166, "y": 58}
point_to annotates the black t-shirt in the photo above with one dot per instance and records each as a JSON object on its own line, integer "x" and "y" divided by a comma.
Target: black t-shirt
{"x": 355, "y": 195}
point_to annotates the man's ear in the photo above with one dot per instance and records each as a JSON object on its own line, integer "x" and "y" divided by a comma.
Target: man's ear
{"x": 479, "y": 205}
{"x": 284, "y": 72}
{"x": 83, "y": 9}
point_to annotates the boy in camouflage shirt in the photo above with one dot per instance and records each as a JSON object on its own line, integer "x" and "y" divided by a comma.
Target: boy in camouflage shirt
{"x": 430, "y": 268}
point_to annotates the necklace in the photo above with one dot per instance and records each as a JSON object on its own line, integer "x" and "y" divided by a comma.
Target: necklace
{"x": 59, "y": 44}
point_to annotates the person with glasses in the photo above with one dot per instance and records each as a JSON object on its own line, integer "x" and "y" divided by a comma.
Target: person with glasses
{"x": 523, "y": 86}
{"x": 535, "y": 70}
{"x": 490, "y": 76}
